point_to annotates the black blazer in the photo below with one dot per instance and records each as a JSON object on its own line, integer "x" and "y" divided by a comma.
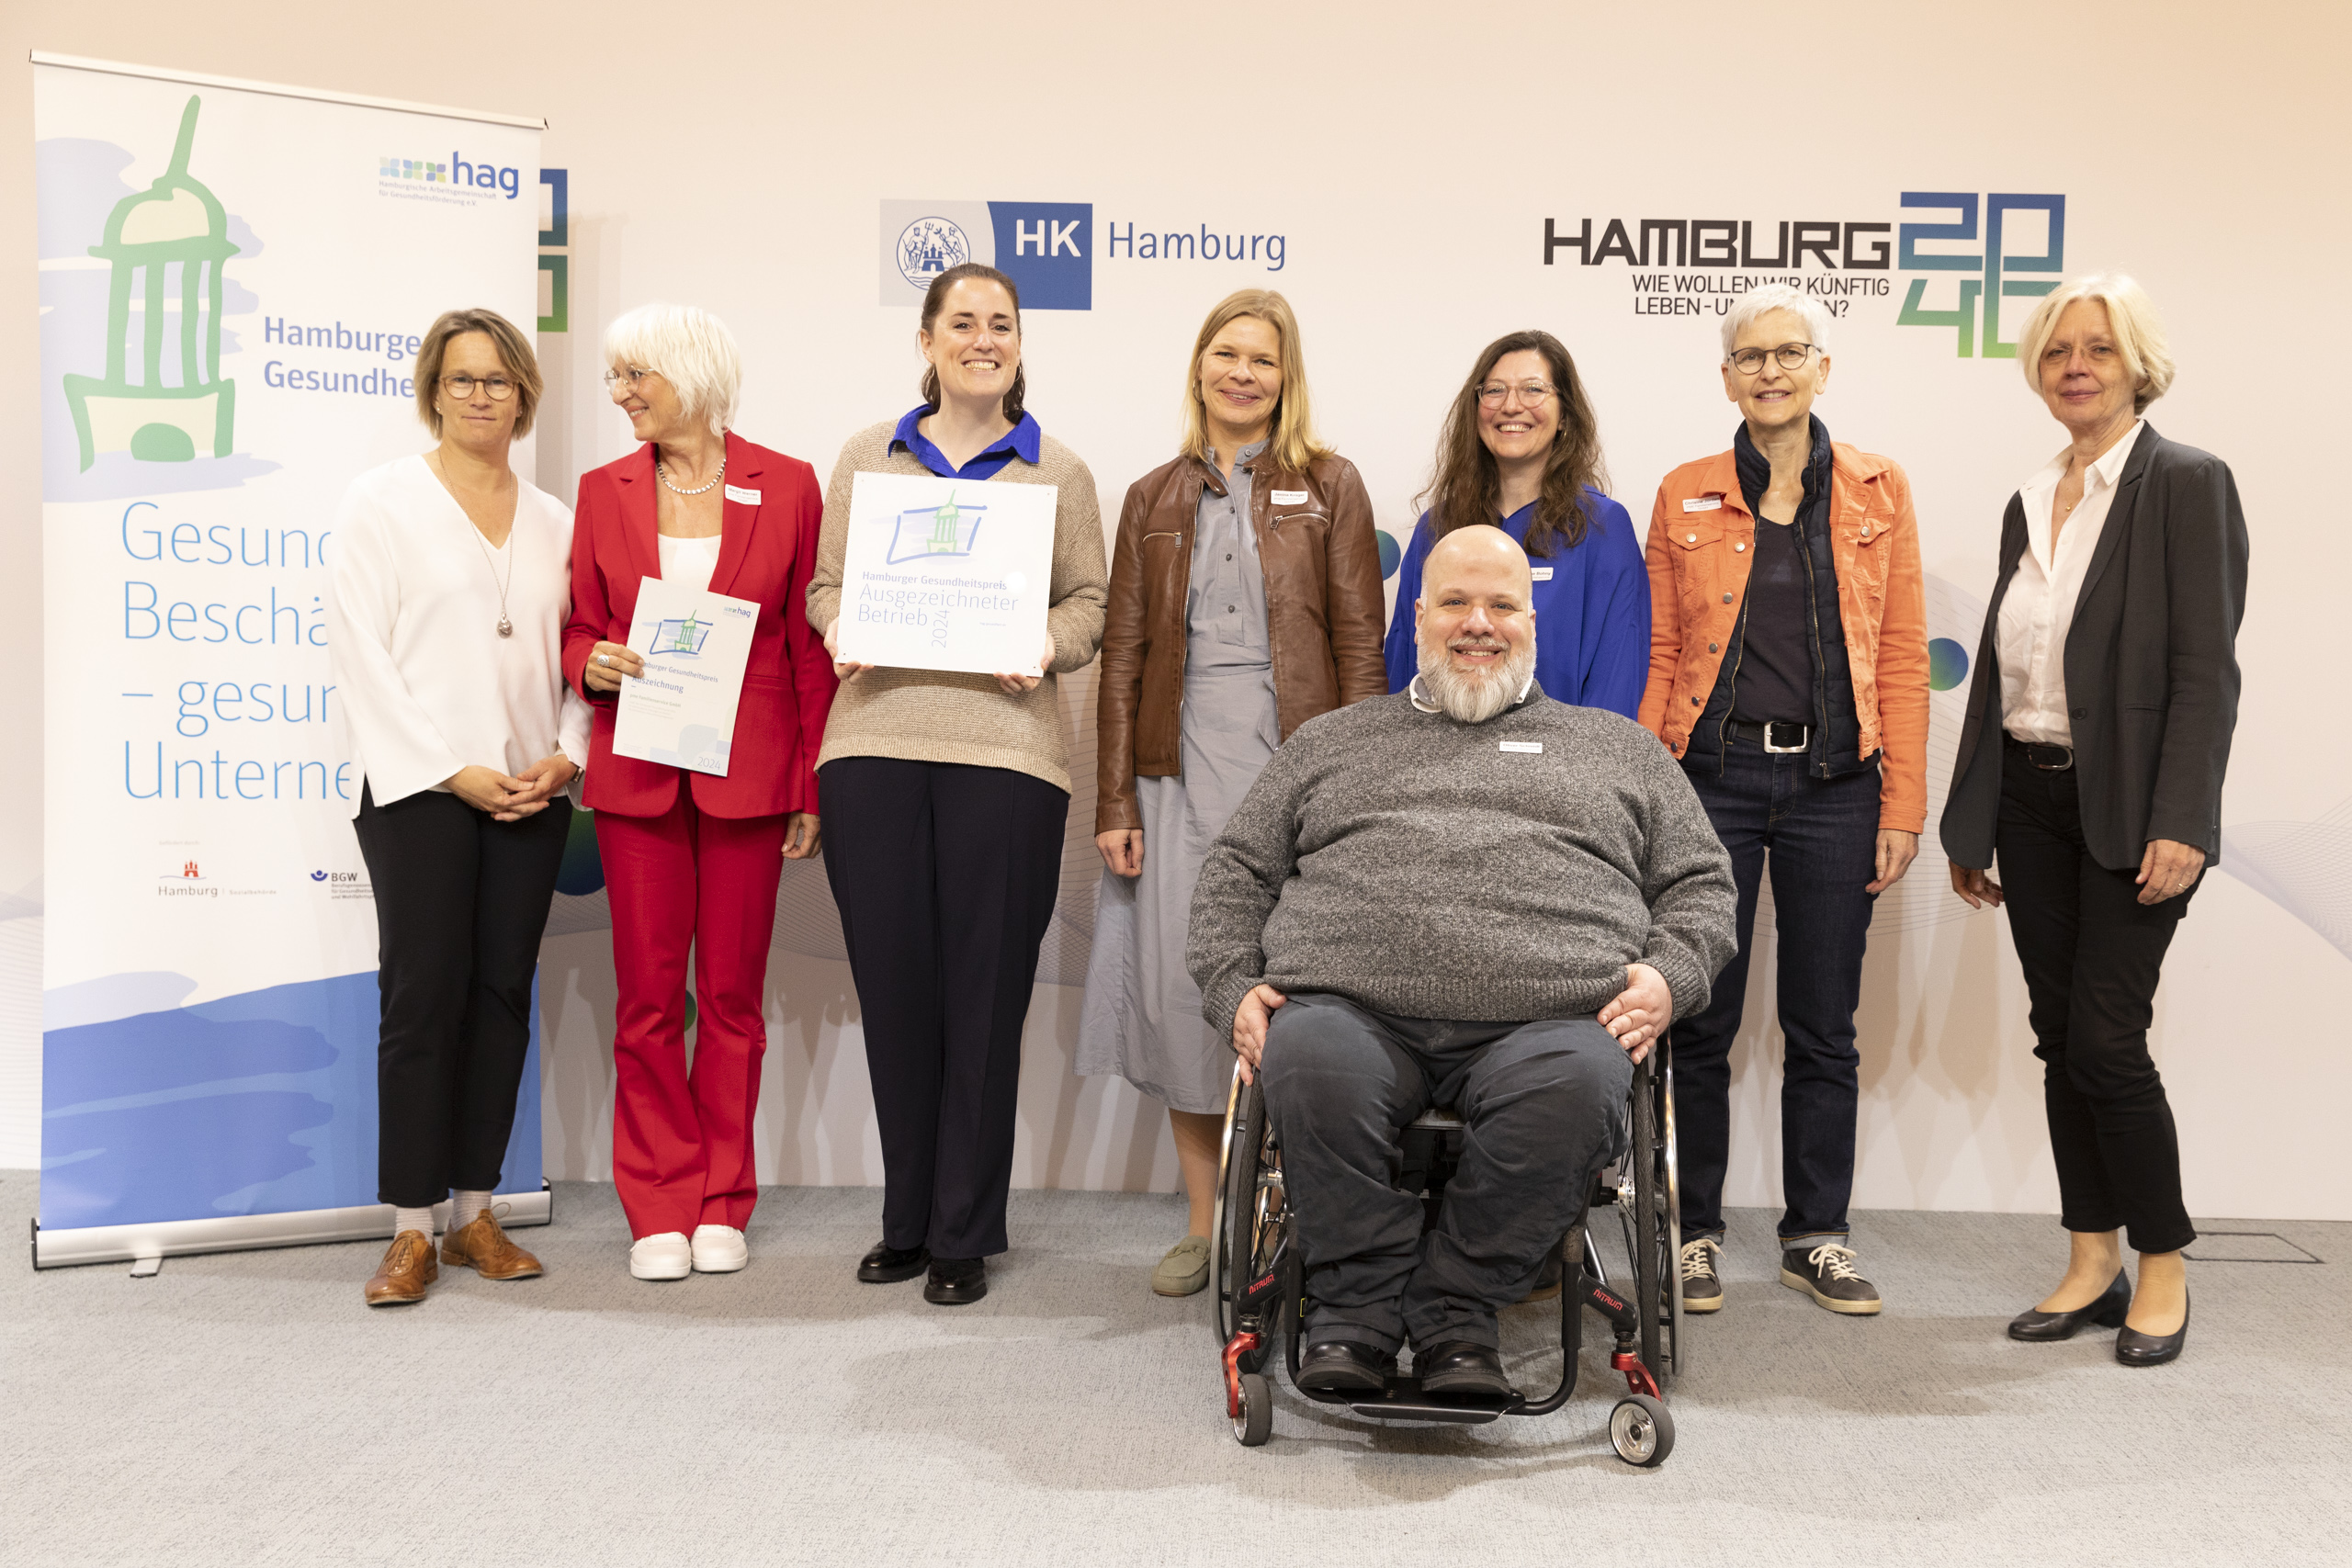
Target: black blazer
{"x": 2151, "y": 668}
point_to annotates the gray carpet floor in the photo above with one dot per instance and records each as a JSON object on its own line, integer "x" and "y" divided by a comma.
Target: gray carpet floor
{"x": 247, "y": 1408}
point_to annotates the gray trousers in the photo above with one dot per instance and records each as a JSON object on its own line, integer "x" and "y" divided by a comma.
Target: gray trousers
{"x": 1544, "y": 1104}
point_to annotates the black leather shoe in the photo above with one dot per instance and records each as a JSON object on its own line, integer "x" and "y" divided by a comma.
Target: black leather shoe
{"x": 2135, "y": 1348}
{"x": 1342, "y": 1366}
{"x": 1457, "y": 1366}
{"x": 957, "y": 1282}
{"x": 887, "y": 1265}
{"x": 2107, "y": 1311}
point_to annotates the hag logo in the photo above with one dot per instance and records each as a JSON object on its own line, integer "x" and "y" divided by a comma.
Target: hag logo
{"x": 1046, "y": 247}
{"x": 457, "y": 174}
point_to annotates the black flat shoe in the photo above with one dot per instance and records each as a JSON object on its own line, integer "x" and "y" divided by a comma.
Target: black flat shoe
{"x": 1457, "y": 1366}
{"x": 2039, "y": 1327}
{"x": 887, "y": 1265}
{"x": 2135, "y": 1348}
{"x": 1342, "y": 1366}
{"x": 957, "y": 1282}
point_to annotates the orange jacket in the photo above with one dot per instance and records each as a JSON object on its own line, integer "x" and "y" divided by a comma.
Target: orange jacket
{"x": 1699, "y": 562}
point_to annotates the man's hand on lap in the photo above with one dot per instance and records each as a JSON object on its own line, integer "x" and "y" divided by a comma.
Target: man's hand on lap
{"x": 1249, "y": 1021}
{"x": 1637, "y": 1015}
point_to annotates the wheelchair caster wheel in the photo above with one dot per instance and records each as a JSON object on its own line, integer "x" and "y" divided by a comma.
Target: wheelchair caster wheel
{"x": 1641, "y": 1430}
{"x": 1256, "y": 1422}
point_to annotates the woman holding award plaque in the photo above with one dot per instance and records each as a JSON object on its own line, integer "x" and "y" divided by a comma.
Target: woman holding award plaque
{"x": 1245, "y": 600}
{"x": 692, "y": 857}
{"x": 946, "y": 793}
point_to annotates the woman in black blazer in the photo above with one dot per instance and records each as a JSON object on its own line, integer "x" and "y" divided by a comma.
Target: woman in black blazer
{"x": 2097, "y": 731}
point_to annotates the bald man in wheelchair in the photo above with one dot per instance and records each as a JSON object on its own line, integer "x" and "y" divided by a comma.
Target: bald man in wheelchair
{"x": 1462, "y": 895}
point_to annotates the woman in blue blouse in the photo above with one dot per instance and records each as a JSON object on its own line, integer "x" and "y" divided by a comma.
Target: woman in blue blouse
{"x": 1520, "y": 449}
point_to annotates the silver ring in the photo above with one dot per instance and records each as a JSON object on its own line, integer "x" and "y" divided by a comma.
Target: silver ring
{"x": 605, "y": 659}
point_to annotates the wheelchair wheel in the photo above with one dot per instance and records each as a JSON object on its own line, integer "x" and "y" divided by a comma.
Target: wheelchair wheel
{"x": 1256, "y": 1422}
{"x": 1674, "y": 1350}
{"x": 1639, "y": 1429}
{"x": 1648, "y": 1238}
{"x": 1220, "y": 1273}
{"x": 1250, "y": 1219}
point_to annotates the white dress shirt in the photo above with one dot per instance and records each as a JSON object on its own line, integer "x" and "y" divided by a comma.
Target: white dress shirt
{"x": 2039, "y": 606}
{"x": 427, "y": 685}
{"x": 689, "y": 562}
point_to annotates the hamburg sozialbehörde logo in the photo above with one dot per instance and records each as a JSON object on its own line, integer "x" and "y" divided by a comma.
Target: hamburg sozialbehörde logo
{"x": 929, "y": 246}
{"x": 178, "y": 405}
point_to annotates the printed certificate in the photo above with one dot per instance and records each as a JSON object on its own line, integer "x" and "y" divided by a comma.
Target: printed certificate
{"x": 695, "y": 645}
{"x": 947, "y": 574}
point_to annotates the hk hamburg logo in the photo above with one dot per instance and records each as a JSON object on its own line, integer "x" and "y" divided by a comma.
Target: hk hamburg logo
{"x": 929, "y": 246}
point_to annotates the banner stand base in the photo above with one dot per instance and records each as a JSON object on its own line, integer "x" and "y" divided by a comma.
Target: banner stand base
{"x": 244, "y": 1232}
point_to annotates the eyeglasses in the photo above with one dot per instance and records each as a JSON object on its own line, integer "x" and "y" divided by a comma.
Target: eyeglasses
{"x": 1530, "y": 393}
{"x": 1791, "y": 355}
{"x": 627, "y": 375}
{"x": 461, "y": 386}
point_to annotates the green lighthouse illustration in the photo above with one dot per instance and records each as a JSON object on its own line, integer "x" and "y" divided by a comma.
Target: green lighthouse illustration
{"x": 687, "y": 641}
{"x": 167, "y": 413}
{"x": 943, "y": 527}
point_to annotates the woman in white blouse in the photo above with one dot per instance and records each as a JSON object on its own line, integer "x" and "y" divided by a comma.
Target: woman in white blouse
{"x": 2091, "y": 760}
{"x": 450, "y": 586}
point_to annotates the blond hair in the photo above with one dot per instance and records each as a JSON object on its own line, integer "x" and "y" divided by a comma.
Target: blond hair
{"x": 2130, "y": 315}
{"x": 1292, "y": 444}
{"x": 514, "y": 353}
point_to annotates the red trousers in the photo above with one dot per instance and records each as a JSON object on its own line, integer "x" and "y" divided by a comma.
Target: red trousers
{"x": 682, "y": 1141}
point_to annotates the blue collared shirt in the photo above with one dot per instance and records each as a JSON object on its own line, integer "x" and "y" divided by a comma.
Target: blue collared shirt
{"x": 1019, "y": 442}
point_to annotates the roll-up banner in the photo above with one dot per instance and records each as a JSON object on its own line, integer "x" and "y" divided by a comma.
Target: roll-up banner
{"x": 235, "y": 279}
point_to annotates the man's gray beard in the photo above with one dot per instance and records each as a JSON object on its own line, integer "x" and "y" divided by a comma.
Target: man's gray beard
{"x": 1474, "y": 698}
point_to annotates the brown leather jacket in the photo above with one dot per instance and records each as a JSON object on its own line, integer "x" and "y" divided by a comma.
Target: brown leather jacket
{"x": 1325, "y": 611}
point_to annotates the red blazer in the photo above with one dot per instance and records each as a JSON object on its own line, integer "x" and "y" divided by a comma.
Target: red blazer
{"x": 766, "y": 553}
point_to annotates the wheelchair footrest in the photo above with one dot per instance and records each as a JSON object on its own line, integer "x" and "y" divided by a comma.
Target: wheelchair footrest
{"x": 1404, "y": 1401}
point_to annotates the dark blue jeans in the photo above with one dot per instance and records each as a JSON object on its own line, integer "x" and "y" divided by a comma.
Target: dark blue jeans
{"x": 1822, "y": 838}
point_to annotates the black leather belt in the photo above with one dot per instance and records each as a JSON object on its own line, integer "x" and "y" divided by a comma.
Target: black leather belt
{"x": 2049, "y": 759}
{"x": 1780, "y": 737}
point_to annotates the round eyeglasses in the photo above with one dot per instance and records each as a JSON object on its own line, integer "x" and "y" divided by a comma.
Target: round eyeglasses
{"x": 627, "y": 375}
{"x": 1791, "y": 355}
{"x": 461, "y": 386}
{"x": 1530, "y": 393}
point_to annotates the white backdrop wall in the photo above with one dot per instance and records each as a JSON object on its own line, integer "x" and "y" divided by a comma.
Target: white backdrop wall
{"x": 1408, "y": 161}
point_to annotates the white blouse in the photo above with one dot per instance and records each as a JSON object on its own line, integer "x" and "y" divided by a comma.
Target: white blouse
{"x": 689, "y": 562}
{"x": 428, "y": 684}
{"x": 2039, "y": 606}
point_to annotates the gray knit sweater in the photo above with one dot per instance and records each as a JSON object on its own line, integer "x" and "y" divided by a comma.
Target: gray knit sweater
{"x": 1434, "y": 869}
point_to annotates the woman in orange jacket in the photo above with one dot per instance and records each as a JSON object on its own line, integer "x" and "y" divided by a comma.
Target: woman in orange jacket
{"x": 1789, "y": 674}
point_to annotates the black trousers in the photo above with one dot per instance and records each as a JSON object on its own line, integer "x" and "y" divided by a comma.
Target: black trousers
{"x": 1544, "y": 1105}
{"x": 461, "y": 902}
{"x": 945, "y": 877}
{"x": 2092, "y": 954}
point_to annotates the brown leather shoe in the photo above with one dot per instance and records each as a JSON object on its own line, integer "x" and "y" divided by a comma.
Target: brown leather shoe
{"x": 483, "y": 1247}
{"x": 407, "y": 1269}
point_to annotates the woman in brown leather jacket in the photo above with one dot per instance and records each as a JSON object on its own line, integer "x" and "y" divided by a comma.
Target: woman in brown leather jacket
{"x": 1245, "y": 600}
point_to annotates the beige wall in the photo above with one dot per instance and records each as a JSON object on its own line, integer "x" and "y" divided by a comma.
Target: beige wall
{"x": 734, "y": 156}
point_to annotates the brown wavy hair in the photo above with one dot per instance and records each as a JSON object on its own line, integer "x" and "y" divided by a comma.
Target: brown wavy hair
{"x": 934, "y": 299}
{"x": 1466, "y": 485}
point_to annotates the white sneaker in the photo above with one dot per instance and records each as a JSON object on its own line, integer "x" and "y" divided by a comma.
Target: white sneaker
{"x": 663, "y": 1257}
{"x": 719, "y": 1250}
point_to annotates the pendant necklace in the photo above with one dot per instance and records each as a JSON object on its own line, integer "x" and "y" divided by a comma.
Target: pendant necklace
{"x": 505, "y": 626}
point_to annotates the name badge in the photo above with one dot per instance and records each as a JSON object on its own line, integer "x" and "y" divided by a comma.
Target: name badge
{"x": 1291, "y": 498}
{"x": 1534, "y": 746}
{"x": 1704, "y": 504}
{"x": 1540, "y": 573}
{"x": 748, "y": 497}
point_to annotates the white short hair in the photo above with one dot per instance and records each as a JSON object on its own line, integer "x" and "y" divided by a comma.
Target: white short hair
{"x": 692, "y": 349}
{"x": 2130, "y": 315}
{"x": 1777, "y": 297}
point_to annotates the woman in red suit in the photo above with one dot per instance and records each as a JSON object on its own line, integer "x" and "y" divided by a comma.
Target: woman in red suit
{"x": 691, "y": 859}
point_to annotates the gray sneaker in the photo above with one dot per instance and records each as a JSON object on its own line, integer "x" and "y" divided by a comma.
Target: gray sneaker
{"x": 1827, "y": 1274}
{"x": 1702, "y": 1292}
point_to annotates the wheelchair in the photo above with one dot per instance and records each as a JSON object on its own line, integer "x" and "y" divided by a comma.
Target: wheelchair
{"x": 1258, "y": 1273}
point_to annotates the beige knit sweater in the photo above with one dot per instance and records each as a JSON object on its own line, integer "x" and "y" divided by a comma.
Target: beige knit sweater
{"x": 935, "y": 715}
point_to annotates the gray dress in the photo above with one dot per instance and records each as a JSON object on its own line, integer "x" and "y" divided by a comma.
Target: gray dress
{"x": 1142, "y": 1019}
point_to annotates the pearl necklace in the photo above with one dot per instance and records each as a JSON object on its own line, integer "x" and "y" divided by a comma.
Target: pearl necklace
{"x": 662, "y": 474}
